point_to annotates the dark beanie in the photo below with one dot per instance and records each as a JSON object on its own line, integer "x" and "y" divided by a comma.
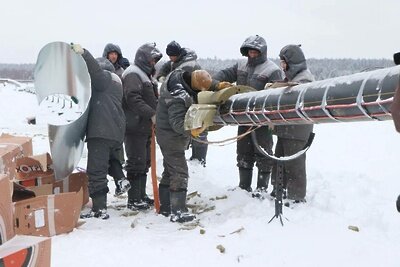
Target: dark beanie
{"x": 173, "y": 49}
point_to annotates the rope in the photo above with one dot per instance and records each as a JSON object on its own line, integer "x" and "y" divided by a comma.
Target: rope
{"x": 227, "y": 141}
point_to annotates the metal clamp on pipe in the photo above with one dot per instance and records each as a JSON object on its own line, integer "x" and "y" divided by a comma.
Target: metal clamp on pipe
{"x": 204, "y": 112}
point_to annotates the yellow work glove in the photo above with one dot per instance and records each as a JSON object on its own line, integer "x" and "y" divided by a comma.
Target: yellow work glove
{"x": 196, "y": 132}
{"x": 77, "y": 48}
{"x": 223, "y": 85}
{"x": 162, "y": 79}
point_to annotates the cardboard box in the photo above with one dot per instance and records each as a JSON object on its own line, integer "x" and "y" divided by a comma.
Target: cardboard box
{"x": 73, "y": 183}
{"x": 26, "y": 251}
{"x": 29, "y": 167}
{"x": 6, "y": 213}
{"x": 11, "y": 148}
{"x": 21, "y": 192}
{"x": 47, "y": 215}
{"x": 43, "y": 190}
{"x": 38, "y": 181}
{"x": 35, "y": 170}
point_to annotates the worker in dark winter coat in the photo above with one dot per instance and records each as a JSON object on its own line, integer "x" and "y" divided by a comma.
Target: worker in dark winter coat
{"x": 293, "y": 138}
{"x": 113, "y": 53}
{"x": 139, "y": 103}
{"x": 395, "y": 110}
{"x": 179, "y": 58}
{"x": 178, "y": 93}
{"x": 105, "y": 131}
{"x": 185, "y": 59}
{"x": 256, "y": 71}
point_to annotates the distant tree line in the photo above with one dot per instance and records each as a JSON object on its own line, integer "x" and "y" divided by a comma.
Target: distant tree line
{"x": 17, "y": 71}
{"x": 321, "y": 68}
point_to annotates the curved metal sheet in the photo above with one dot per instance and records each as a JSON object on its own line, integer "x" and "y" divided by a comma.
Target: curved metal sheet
{"x": 60, "y": 71}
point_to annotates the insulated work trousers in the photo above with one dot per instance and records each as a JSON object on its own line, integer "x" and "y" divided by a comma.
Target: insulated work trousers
{"x": 294, "y": 171}
{"x": 176, "y": 174}
{"x": 247, "y": 153}
{"x": 199, "y": 150}
{"x": 137, "y": 148}
{"x": 103, "y": 159}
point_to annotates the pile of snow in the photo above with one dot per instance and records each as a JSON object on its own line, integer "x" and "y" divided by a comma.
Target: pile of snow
{"x": 353, "y": 180}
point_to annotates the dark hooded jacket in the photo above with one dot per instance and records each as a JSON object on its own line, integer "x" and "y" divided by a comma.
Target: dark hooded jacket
{"x": 254, "y": 72}
{"x": 122, "y": 63}
{"x": 395, "y": 109}
{"x": 176, "y": 96}
{"x": 140, "y": 90}
{"x": 106, "y": 116}
{"x": 296, "y": 72}
{"x": 186, "y": 61}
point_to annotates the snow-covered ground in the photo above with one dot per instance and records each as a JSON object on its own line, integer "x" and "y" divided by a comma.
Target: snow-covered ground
{"x": 353, "y": 180}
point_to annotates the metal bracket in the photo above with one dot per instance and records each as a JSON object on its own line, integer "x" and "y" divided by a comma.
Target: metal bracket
{"x": 202, "y": 114}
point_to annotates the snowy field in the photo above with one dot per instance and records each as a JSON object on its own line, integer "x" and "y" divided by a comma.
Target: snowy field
{"x": 353, "y": 180}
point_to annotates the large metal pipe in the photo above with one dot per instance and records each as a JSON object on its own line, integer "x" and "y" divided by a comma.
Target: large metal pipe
{"x": 359, "y": 97}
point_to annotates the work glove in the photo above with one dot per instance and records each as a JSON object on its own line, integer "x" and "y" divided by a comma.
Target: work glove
{"x": 77, "y": 48}
{"x": 268, "y": 85}
{"x": 196, "y": 132}
{"x": 161, "y": 79}
{"x": 223, "y": 85}
{"x": 153, "y": 119}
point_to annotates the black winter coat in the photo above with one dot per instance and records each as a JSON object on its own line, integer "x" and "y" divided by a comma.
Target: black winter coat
{"x": 254, "y": 72}
{"x": 140, "y": 92}
{"x": 187, "y": 61}
{"x": 106, "y": 116}
{"x": 296, "y": 131}
{"x": 255, "y": 76}
{"x": 297, "y": 72}
{"x": 176, "y": 97}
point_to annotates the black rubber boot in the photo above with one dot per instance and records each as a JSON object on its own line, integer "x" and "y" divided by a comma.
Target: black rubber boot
{"x": 99, "y": 208}
{"x": 135, "y": 201}
{"x": 245, "y": 176}
{"x": 165, "y": 203}
{"x": 118, "y": 191}
{"x": 144, "y": 196}
{"x": 99, "y": 202}
{"x": 263, "y": 180}
{"x": 262, "y": 185}
{"x": 179, "y": 212}
{"x": 398, "y": 203}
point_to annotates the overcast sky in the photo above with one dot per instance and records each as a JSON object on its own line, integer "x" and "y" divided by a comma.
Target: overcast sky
{"x": 326, "y": 29}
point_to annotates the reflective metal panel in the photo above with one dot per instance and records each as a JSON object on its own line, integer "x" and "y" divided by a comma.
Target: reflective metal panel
{"x": 61, "y": 72}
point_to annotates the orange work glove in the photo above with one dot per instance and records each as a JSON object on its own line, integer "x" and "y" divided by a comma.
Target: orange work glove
{"x": 196, "y": 132}
{"x": 223, "y": 85}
